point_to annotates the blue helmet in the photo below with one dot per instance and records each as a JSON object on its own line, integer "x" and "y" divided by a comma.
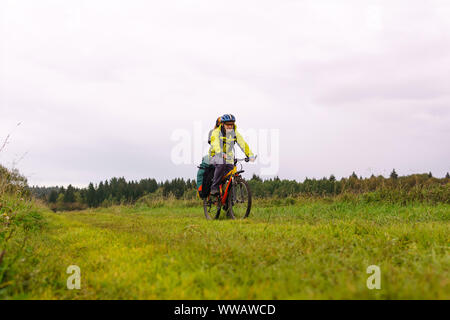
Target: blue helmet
{"x": 227, "y": 118}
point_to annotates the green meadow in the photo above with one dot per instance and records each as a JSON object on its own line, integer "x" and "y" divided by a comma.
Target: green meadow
{"x": 288, "y": 249}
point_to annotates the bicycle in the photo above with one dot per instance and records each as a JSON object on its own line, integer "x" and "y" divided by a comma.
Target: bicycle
{"x": 234, "y": 195}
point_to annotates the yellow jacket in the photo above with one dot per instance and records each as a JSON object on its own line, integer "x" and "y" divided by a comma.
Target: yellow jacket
{"x": 221, "y": 143}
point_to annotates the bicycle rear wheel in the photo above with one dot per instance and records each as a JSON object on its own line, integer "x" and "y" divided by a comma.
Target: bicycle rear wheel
{"x": 211, "y": 209}
{"x": 240, "y": 199}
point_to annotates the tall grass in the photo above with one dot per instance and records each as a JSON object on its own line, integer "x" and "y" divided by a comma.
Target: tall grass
{"x": 20, "y": 216}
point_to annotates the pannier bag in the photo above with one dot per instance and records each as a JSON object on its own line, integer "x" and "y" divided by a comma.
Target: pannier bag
{"x": 205, "y": 176}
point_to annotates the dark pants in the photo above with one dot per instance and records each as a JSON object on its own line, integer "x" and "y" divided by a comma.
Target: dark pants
{"x": 219, "y": 172}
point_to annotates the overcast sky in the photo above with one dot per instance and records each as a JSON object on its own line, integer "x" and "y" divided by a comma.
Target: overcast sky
{"x": 100, "y": 86}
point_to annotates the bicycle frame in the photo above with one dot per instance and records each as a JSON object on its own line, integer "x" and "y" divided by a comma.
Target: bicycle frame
{"x": 232, "y": 173}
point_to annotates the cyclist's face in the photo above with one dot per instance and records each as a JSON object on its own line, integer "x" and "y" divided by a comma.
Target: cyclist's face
{"x": 229, "y": 125}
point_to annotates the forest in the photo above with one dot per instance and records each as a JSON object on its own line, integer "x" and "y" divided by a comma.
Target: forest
{"x": 415, "y": 187}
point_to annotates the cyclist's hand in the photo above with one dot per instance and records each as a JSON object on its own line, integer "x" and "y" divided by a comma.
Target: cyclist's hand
{"x": 224, "y": 156}
{"x": 252, "y": 159}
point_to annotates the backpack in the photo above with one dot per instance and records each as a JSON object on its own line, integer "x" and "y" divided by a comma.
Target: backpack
{"x": 205, "y": 175}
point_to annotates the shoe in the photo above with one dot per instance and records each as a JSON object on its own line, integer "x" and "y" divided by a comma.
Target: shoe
{"x": 214, "y": 192}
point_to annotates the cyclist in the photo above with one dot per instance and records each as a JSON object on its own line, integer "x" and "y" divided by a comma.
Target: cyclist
{"x": 215, "y": 127}
{"x": 221, "y": 152}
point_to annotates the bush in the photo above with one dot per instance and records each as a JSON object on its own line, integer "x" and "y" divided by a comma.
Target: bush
{"x": 19, "y": 215}
{"x": 11, "y": 181}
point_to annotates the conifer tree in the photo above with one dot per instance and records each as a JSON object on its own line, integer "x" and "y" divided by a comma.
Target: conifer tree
{"x": 69, "y": 196}
{"x": 91, "y": 196}
{"x": 53, "y": 196}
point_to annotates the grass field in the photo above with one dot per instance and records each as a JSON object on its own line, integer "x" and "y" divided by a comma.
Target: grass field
{"x": 305, "y": 250}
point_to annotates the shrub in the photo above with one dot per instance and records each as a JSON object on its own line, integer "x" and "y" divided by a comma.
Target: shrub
{"x": 19, "y": 215}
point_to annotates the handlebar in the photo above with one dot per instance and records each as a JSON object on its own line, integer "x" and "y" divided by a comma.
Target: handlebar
{"x": 247, "y": 159}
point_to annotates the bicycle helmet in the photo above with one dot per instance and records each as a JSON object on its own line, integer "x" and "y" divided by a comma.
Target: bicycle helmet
{"x": 228, "y": 118}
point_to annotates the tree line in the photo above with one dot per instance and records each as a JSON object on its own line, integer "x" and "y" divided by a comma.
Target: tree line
{"x": 109, "y": 192}
{"x": 415, "y": 187}
{"x": 119, "y": 191}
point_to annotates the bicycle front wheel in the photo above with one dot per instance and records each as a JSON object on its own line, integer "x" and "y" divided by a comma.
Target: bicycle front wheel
{"x": 240, "y": 199}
